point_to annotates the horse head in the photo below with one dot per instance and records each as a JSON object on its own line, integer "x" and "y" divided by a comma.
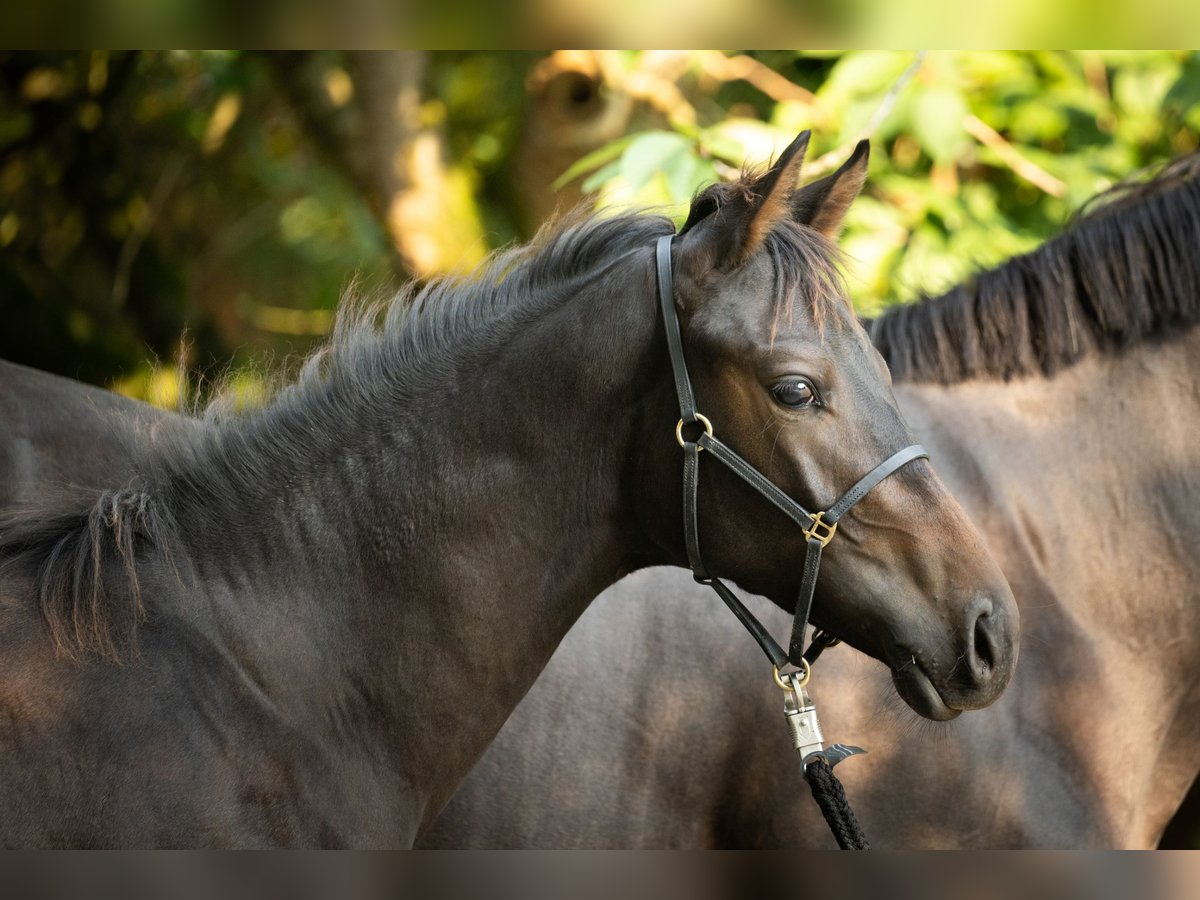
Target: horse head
{"x": 788, "y": 378}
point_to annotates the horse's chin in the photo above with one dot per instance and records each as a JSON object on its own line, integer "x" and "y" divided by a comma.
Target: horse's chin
{"x": 915, "y": 689}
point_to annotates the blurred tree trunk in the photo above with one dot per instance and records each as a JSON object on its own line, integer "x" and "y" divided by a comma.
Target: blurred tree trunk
{"x": 381, "y": 138}
{"x": 430, "y": 207}
{"x": 388, "y": 88}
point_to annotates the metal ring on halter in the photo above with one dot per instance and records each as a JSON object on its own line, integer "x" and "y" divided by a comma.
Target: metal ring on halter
{"x": 804, "y": 675}
{"x": 702, "y": 419}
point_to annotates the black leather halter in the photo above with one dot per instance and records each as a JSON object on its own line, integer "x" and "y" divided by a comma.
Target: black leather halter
{"x": 819, "y": 528}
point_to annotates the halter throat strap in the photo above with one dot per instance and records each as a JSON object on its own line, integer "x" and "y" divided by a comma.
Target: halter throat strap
{"x": 818, "y": 528}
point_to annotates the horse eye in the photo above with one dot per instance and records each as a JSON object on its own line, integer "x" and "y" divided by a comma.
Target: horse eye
{"x": 795, "y": 392}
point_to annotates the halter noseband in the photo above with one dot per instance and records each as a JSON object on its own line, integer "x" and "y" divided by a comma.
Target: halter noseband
{"x": 818, "y": 528}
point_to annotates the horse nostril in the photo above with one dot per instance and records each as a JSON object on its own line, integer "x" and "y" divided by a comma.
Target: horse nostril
{"x": 984, "y": 646}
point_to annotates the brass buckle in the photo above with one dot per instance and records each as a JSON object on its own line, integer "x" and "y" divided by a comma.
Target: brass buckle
{"x": 820, "y": 530}
{"x": 802, "y": 676}
{"x": 702, "y": 419}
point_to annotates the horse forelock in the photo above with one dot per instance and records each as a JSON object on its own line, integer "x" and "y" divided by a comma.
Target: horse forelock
{"x": 809, "y": 273}
{"x": 1126, "y": 270}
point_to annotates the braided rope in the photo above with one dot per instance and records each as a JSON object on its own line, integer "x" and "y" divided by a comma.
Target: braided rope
{"x": 831, "y": 798}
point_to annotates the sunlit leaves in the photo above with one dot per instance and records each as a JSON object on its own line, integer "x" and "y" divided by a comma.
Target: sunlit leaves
{"x": 744, "y": 142}
{"x": 863, "y": 73}
{"x": 650, "y": 169}
{"x": 655, "y": 153}
{"x": 937, "y": 122}
{"x": 595, "y": 160}
{"x": 1184, "y": 95}
{"x": 944, "y": 199}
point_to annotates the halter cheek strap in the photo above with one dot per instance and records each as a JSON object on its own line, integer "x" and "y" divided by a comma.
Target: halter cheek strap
{"x": 818, "y": 528}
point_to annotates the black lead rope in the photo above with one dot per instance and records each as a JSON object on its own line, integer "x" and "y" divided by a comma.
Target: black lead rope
{"x": 818, "y": 529}
{"x": 831, "y": 799}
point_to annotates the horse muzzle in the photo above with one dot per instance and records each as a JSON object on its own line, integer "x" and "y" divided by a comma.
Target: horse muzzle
{"x": 985, "y": 658}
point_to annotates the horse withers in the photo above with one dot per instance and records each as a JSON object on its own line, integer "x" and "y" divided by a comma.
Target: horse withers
{"x": 57, "y": 434}
{"x": 261, "y": 637}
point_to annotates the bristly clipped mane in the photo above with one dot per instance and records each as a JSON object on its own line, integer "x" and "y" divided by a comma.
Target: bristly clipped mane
{"x": 83, "y": 555}
{"x": 1127, "y": 270}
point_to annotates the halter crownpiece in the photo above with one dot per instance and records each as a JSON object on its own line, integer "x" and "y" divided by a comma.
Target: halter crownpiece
{"x": 818, "y": 528}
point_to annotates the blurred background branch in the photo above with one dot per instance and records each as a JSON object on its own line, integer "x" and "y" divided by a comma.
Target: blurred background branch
{"x": 991, "y": 138}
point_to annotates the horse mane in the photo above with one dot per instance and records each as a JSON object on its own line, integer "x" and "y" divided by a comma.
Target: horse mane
{"x": 83, "y": 551}
{"x": 1126, "y": 270}
{"x": 84, "y": 565}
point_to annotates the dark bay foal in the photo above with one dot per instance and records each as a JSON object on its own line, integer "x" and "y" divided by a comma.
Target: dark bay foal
{"x": 301, "y": 626}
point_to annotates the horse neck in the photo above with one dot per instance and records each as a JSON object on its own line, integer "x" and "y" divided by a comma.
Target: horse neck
{"x": 439, "y": 559}
{"x": 1086, "y": 487}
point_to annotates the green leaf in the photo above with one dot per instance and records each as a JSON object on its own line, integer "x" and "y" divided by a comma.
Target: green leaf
{"x": 1142, "y": 90}
{"x": 864, "y": 73}
{"x": 741, "y": 141}
{"x": 651, "y": 153}
{"x": 1185, "y": 92}
{"x": 1034, "y": 120}
{"x": 688, "y": 175}
{"x": 593, "y": 160}
{"x": 937, "y": 124}
{"x": 601, "y": 176}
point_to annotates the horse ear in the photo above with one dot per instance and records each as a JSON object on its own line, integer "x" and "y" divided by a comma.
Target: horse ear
{"x": 822, "y": 205}
{"x": 730, "y": 232}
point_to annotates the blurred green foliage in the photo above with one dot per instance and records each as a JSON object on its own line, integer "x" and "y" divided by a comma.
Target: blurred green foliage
{"x": 142, "y": 194}
{"x": 940, "y": 201}
{"x": 145, "y": 193}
